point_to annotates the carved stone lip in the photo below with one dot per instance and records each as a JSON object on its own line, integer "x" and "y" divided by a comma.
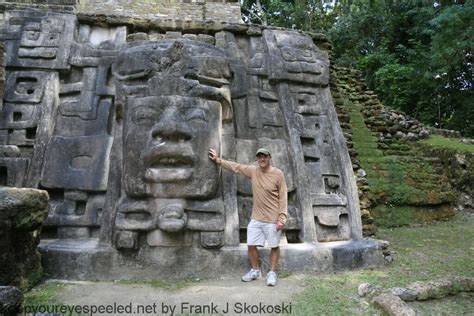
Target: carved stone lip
{"x": 169, "y": 162}
{"x": 165, "y": 155}
{"x": 158, "y": 175}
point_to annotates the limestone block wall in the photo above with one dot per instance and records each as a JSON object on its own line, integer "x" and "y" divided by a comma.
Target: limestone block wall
{"x": 53, "y": 5}
{"x": 2, "y": 72}
{"x": 186, "y": 10}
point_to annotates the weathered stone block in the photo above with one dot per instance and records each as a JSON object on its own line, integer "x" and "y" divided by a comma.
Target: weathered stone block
{"x": 22, "y": 208}
{"x": 22, "y": 212}
{"x": 77, "y": 162}
{"x": 11, "y": 299}
{"x": 393, "y": 305}
{"x": 212, "y": 239}
{"x": 126, "y": 239}
{"x": 39, "y": 39}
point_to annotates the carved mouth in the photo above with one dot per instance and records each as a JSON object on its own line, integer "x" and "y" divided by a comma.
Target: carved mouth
{"x": 171, "y": 162}
{"x": 168, "y": 163}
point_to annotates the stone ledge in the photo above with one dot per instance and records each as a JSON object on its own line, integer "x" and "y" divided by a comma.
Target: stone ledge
{"x": 169, "y": 24}
{"x": 88, "y": 260}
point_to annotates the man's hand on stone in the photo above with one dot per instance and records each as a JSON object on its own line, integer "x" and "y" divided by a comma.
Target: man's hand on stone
{"x": 213, "y": 155}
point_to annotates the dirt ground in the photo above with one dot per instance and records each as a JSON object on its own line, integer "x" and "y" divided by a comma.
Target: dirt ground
{"x": 228, "y": 296}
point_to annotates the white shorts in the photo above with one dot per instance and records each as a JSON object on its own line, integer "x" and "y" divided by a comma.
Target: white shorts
{"x": 258, "y": 232}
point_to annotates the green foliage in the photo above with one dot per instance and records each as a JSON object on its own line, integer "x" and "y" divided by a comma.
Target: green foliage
{"x": 369, "y": 64}
{"x": 33, "y": 278}
{"x": 278, "y": 12}
{"x": 393, "y": 85}
{"x": 416, "y": 55}
{"x": 46, "y": 294}
{"x": 314, "y": 16}
{"x": 452, "y": 57}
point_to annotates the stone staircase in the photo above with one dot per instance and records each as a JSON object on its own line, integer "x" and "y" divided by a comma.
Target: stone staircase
{"x": 398, "y": 183}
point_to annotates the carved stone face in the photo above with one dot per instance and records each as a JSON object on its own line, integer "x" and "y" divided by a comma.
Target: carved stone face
{"x": 174, "y": 95}
{"x": 166, "y": 139}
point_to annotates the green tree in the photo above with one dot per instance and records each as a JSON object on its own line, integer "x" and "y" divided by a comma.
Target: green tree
{"x": 417, "y": 56}
{"x": 452, "y": 58}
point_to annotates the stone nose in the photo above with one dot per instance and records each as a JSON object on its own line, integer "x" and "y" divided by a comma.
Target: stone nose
{"x": 171, "y": 126}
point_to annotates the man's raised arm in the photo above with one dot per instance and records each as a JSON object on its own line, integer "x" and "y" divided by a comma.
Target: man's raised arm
{"x": 245, "y": 170}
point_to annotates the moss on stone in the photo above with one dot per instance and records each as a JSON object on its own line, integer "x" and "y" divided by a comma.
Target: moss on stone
{"x": 390, "y": 215}
{"x": 404, "y": 185}
{"x": 22, "y": 212}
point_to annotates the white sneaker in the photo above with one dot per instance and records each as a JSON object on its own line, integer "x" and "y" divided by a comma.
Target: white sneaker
{"x": 251, "y": 275}
{"x": 271, "y": 278}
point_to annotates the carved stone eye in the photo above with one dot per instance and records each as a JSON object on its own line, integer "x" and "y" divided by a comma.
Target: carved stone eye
{"x": 144, "y": 116}
{"x": 32, "y": 35}
{"x": 196, "y": 115}
{"x": 25, "y": 86}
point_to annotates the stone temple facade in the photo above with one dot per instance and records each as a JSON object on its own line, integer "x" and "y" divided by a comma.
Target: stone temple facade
{"x": 113, "y": 113}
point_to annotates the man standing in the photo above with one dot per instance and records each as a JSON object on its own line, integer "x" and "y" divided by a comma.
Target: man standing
{"x": 269, "y": 211}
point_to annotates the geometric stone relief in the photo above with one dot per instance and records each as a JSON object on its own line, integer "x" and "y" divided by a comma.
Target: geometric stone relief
{"x": 334, "y": 232}
{"x": 76, "y": 208}
{"x": 65, "y": 114}
{"x": 78, "y": 98}
{"x": 27, "y": 119}
{"x": 83, "y": 159}
{"x": 38, "y": 40}
{"x": 24, "y": 94}
{"x": 25, "y": 86}
{"x": 331, "y": 216}
{"x": 19, "y": 116}
{"x": 13, "y": 171}
{"x": 294, "y": 57}
{"x": 101, "y": 121}
{"x": 263, "y": 113}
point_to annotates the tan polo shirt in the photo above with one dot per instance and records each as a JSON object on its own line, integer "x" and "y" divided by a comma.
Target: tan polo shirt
{"x": 270, "y": 194}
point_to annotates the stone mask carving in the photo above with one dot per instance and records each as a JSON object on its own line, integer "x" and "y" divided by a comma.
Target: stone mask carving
{"x": 175, "y": 95}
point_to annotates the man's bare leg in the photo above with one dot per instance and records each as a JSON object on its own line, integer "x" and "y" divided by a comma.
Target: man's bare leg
{"x": 274, "y": 256}
{"x": 253, "y": 256}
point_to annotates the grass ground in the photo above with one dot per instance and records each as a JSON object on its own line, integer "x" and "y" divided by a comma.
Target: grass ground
{"x": 441, "y": 142}
{"x": 421, "y": 253}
